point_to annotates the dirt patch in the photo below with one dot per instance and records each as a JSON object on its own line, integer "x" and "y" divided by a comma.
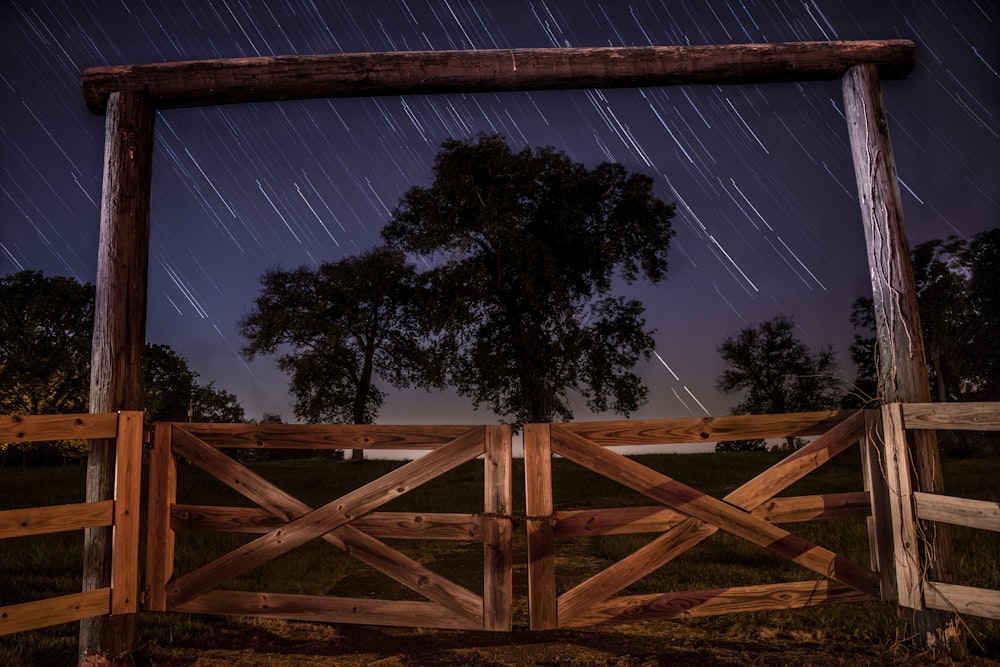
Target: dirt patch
{"x": 263, "y": 643}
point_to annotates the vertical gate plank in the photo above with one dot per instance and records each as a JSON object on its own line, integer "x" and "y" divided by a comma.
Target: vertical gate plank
{"x": 541, "y": 547}
{"x": 904, "y": 522}
{"x": 873, "y": 467}
{"x": 125, "y": 547}
{"x": 498, "y": 552}
{"x": 160, "y": 536}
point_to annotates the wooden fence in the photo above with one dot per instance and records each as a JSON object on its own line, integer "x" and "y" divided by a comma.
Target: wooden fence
{"x": 348, "y": 522}
{"x": 683, "y": 517}
{"x": 909, "y": 508}
{"x": 121, "y": 513}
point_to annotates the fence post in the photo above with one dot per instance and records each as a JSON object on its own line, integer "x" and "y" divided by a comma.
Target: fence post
{"x": 125, "y": 549}
{"x": 160, "y": 537}
{"x": 880, "y": 533}
{"x": 498, "y": 563}
{"x": 541, "y": 547}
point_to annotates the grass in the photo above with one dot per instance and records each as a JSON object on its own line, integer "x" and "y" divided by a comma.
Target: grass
{"x": 37, "y": 567}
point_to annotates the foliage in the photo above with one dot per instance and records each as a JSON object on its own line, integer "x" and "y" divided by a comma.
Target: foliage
{"x": 523, "y": 250}
{"x": 337, "y": 329}
{"x": 777, "y": 372}
{"x": 46, "y": 329}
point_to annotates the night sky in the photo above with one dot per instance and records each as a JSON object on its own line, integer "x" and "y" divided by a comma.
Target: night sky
{"x": 768, "y": 221}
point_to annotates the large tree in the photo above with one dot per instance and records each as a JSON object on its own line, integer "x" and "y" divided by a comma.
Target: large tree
{"x": 777, "y": 372}
{"x": 338, "y": 328}
{"x": 523, "y": 250}
{"x": 174, "y": 394}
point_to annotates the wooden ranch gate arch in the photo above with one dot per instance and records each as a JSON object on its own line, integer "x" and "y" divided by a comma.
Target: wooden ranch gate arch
{"x": 130, "y": 96}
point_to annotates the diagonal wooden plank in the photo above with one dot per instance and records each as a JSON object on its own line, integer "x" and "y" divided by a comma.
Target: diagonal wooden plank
{"x": 700, "y": 506}
{"x": 328, "y": 517}
{"x": 690, "y": 532}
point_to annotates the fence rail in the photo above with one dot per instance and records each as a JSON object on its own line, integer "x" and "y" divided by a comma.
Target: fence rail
{"x": 120, "y": 513}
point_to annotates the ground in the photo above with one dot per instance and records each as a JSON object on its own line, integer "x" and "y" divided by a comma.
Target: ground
{"x": 278, "y": 643}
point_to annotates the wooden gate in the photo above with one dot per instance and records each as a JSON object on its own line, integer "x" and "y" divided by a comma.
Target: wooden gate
{"x": 687, "y": 516}
{"x": 348, "y": 523}
{"x": 121, "y": 513}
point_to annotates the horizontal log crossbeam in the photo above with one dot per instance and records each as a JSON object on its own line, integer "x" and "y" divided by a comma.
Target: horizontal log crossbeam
{"x": 275, "y": 78}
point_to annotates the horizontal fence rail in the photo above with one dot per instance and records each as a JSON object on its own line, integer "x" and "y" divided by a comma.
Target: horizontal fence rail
{"x": 349, "y": 523}
{"x": 120, "y": 513}
{"x": 910, "y": 506}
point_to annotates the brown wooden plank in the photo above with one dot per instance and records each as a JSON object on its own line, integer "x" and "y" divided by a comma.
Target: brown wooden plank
{"x": 880, "y": 521}
{"x": 51, "y": 611}
{"x": 541, "y": 545}
{"x": 198, "y": 83}
{"x": 634, "y": 432}
{"x": 952, "y": 416}
{"x": 981, "y": 514}
{"x": 55, "y": 518}
{"x": 614, "y": 521}
{"x": 700, "y": 506}
{"x": 125, "y": 547}
{"x": 322, "y": 609}
{"x": 906, "y": 554}
{"x": 383, "y": 525}
{"x": 808, "y": 508}
{"x": 690, "y": 604}
{"x": 159, "y": 533}
{"x": 328, "y": 517}
{"x": 35, "y": 428}
{"x": 498, "y": 550}
{"x": 963, "y": 600}
{"x": 325, "y": 436}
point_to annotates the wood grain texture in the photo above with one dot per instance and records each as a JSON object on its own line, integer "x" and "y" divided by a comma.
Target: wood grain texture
{"x": 35, "y": 428}
{"x": 498, "y": 549}
{"x": 981, "y": 514}
{"x": 51, "y": 611}
{"x": 55, "y": 518}
{"x": 234, "y": 80}
{"x": 541, "y": 545}
{"x": 325, "y": 436}
{"x": 962, "y": 599}
{"x": 952, "y": 416}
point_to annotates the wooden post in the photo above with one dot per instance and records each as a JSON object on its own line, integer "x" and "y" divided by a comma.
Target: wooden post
{"x": 117, "y": 356}
{"x": 902, "y": 360}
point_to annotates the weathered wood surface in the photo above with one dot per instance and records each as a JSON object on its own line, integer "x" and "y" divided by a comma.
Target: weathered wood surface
{"x": 880, "y": 523}
{"x": 498, "y": 549}
{"x": 52, "y": 611}
{"x": 906, "y": 553}
{"x": 636, "y": 432}
{"x": 328, "y": 609}
{"x": 384, "y": 525}
{"x": 809, "y": 508}
{"x": 305, "y": 525}
{"x": 690, "y": 531}
{"x": 690, "y": 604}
{"x": 55, "y": 518}
{"x": 614, "y": 521}
{"x": 36, "y": 428}
{"x": 952, "y": 416}
{"x": 273, "y": 78}
{"x": 902, "y": 373}
{"x": 541, "y": 547}
{"x": 125, "y": 538}
{"x": 981, "y": 514}
{"x": 962, "y": 599}
{"x": 325, "y": 436}
{"x": 702, "y": 507}
{"x": 159, "y": 532}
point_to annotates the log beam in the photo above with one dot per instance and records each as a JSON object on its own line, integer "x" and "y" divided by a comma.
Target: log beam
{"x": 273, "y": 78}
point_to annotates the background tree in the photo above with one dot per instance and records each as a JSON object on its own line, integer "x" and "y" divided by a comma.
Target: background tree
{"x": 46, "y": 328}
{"x": 777, "y": 372}
{"x": 336, "y": 329}
{"x": 523, "y": 250}
{"x": 981, "y": 258}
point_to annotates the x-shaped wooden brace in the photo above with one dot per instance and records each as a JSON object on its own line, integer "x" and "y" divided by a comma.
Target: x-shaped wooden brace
{"x": 706, "y": 515}
{"x": 331, "y": 522}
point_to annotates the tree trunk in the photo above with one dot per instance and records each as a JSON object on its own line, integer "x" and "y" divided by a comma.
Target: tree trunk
{"x": 902, "y": 357}
{"x": 117, "y": 355}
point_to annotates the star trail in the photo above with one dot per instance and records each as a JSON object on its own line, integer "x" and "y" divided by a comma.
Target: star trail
{"x": 767, "y": 217}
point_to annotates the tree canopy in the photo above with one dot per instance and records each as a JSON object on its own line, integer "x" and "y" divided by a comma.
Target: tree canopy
{"x": 338, "y": 329}
{"x": 777, "y": 372}
{"x": 523, "y": 249}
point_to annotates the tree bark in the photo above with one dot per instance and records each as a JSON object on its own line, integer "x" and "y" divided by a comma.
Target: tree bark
{"x": 901, "y": 353}
{"x": 117, "y": 355}
{"x": 234, "y": 80}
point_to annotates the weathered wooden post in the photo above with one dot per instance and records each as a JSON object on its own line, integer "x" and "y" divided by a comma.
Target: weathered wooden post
{"x": 117, "y": 356}
{"x": 902, "y": 361}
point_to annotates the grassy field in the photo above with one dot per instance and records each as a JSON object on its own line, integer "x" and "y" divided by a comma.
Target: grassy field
{"x": 37, "y": 567}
